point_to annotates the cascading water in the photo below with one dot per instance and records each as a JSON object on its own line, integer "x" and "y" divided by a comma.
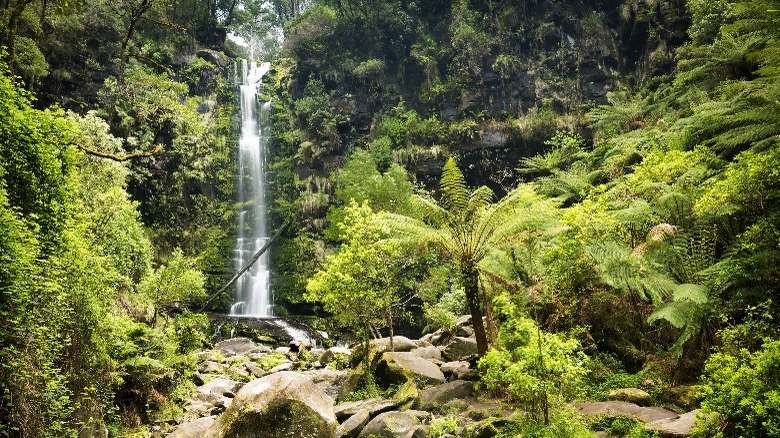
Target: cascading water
{"x": 253, "y": 299}
{"x": 253, "y": 294}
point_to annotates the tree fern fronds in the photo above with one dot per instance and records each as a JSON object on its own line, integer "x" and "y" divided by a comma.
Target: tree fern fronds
{"x": 454, "y": 192}
{"x": 686, "y": 311}
{"x": 674, "y": 206}
{"x": 430, "y": 209}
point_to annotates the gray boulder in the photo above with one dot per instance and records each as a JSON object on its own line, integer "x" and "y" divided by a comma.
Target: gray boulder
{"x": 400, "y": 368}
{"x": 279, "y": 405}
{"x": 330, "y": 354}
{"x": 353, "y": 425}
{"x": 400, "y": 343}
{"x": 680, "y": 426}
{"x": 429, "y": 352}
{"x": 211, "y": 367}
{"x": 373, "y": 406}
{"x": 217, "y": 58}
{"x": 441, "y": 394}
{"x": 192, "y": 429}
{"x": 459, "y": 348}
{"x": 620, "y": 408}
{"x": 287, "y": 366}
{"x": 390, "y": 425}
{"x": 237, "y": 347}
{"x": 221, "y": 386}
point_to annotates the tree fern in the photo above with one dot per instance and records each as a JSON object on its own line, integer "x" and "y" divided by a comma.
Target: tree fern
{"x": 621, "y": 269}
{"x": 465, "y": 225}
{"x": 686, "y": 311}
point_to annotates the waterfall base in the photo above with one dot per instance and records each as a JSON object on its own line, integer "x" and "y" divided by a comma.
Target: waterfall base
{"x": 264, "y": 330}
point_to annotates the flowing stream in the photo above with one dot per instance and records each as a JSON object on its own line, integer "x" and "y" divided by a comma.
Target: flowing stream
{"x": 253, "y": 294}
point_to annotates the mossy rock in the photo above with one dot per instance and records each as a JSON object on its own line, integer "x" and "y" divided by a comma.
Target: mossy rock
{"x": 280, "y": 405}
{"x": 631, "y": 395}
{"x": 485, "y": 429}
{"x": 408, "y": 396}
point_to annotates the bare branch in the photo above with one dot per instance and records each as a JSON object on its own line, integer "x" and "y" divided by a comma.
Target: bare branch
{"x": 141, "y": 154}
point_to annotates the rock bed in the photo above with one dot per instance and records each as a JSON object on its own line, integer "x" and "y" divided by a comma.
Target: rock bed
{"x": 246, "y": 389}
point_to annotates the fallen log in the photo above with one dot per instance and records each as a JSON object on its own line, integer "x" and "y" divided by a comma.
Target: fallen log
{"x": 245, "y": 267}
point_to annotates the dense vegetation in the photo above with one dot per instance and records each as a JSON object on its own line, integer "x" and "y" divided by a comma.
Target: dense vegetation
{"x": 597, "y": 179}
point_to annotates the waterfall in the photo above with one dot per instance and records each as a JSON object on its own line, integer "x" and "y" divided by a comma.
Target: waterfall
{"x": 253, "y": 294}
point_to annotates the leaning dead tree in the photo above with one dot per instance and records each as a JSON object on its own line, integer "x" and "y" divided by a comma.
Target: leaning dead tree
{"x": 245, "y": 267}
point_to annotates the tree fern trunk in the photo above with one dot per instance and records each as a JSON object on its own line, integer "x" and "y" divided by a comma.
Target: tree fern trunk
{"x": 471, "y": 288}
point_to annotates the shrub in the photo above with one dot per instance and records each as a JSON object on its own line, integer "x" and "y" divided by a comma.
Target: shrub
{"x": 536, "y": 368}
{"x": 744, "y": 390}
{"x": 443, "y": 426}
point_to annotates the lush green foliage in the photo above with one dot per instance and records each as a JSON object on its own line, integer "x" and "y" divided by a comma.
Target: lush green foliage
{"x": 534, "y": 367}
{"x": 742, "y": 391}
{"x": 73, "y": 245}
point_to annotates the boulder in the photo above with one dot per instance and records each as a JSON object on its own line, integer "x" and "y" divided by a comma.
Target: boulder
{"x": 240, "y": 370}
{"x": 460, "y": 370}
{"x": 459, "y": 348}
{"x": 441, "y": 394}
{"x": 287, "y": 366}
{"x": 279, "y": 405}
{"x": 390, "y": 425}
{"x": 680, "y": 426}
{"x": 419, "y": 431}
{"x": 429, "y": 352}
{"x": 221, "y": 386}
{"x": 254, "y": 370}
{"x": 353, "y": 425}
{"x": 487, "y": 428}
{"x": 620, "y": 408}
{"x": 327, "y": 380}
{"x": 206, "y": 355}
{"x": 400, "y": 343}
{"x": 407, "y": 396}
{"x": 373, "y": 406}
{"x": 192, "y": 429}
{"x": 398, "y": 368}
{"x": 237, "y": 347}
{"x": 316, "y": 354}
{"x": 330, "y": 354}
{"x": 213, "y": 399}
{"x": 211, "y": 367}
{"x": 631, "y": 395}
{"x": 463, "y": 327}
{"x": 298, "y": 345}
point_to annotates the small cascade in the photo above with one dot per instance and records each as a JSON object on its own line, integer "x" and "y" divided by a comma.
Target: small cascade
{"x": 253, "y": 295}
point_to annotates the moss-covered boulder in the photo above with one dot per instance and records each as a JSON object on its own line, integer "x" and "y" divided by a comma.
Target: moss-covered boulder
{"x": 390, "y": 425}
{"x": 399, "y": 368}
{"x": 631, "y": 395}
{"x": 280, "y": 405}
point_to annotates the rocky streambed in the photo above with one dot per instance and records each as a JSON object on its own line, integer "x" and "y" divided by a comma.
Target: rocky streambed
{"x": 246, "y": 389}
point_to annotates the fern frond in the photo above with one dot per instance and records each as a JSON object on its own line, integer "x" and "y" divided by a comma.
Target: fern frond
{"x": 454, "y": 192}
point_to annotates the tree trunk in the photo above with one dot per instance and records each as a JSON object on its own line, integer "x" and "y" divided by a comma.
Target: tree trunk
{"x": 10, "y": 37}
{"x": 471, "y": 287}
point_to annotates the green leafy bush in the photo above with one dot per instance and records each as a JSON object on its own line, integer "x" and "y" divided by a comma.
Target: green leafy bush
{"x": 443, "y": 426}
{"x": 742, "y": 390}
{"x": 535, "y": 368}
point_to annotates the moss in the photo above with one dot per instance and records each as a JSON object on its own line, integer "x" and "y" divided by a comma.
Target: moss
{"x": 408, "y": 396}
{"x": 277, "y": 420}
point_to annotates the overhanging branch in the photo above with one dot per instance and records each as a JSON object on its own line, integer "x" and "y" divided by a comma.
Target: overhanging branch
{"x": 116, "y": 157}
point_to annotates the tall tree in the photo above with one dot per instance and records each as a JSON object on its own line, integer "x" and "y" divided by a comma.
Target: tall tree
{"x": 465, "y": 225}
